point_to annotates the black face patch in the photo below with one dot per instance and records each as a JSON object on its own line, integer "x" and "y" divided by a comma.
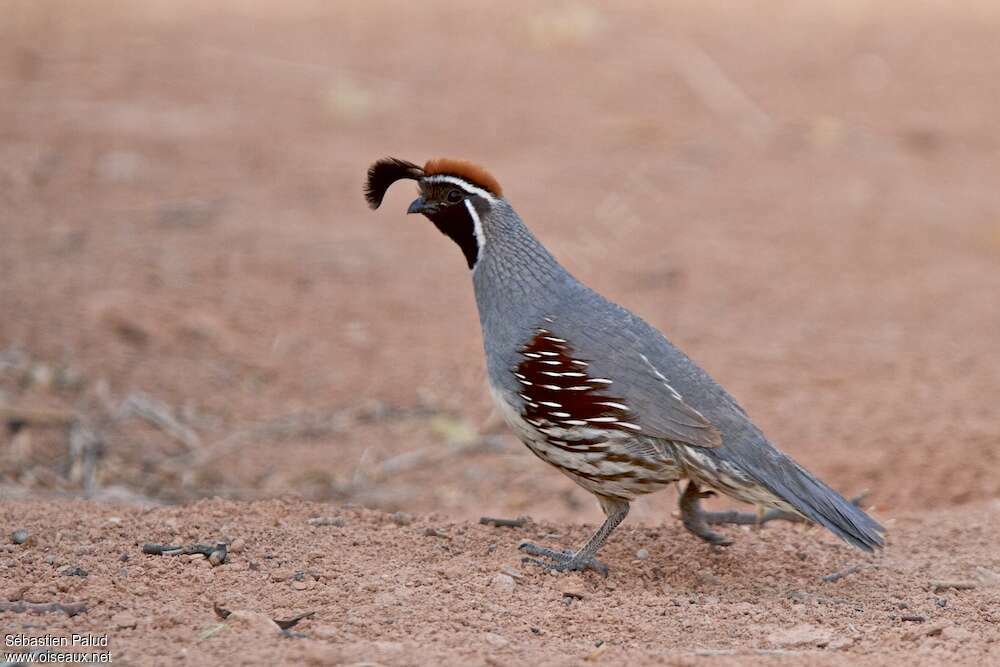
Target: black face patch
{"x": 455, "y": 222}
{"x": 448, "y": 210}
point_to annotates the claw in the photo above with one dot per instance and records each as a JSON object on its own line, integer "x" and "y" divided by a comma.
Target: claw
{"x": 560, "y": 561}
{"x": 695, "y": 519}
{"x": 714, "y": 538}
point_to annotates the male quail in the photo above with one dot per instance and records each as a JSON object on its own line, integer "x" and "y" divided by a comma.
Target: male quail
{"x": 594, "y": 390}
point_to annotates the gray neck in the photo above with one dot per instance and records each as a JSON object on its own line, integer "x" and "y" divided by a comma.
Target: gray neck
{"x": 517, "y": 282}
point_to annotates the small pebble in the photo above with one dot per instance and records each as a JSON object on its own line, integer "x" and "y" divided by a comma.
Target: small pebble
{"x": 238, "y": 545}
{"x": 572, "y": 590}
{"x": 401, "y": 518}
{"x": 20, "y": 536}
{"x": 327, "y": 521}
{"x": 434, "y": 532}
{"x": 14, "y": 593}
{"x": 642, "y": 554}
{"x": 504, "y": 583}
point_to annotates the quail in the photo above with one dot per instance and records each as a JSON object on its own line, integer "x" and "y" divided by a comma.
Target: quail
{"x": 594, "y": 390}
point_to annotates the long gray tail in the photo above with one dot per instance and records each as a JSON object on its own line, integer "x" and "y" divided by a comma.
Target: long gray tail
{"x": 816, "y": 501}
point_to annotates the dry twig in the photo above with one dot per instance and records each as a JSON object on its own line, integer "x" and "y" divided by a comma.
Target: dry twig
{"x": 161, "y": 416}
{"x": 290, "y": 622}
{"x": 217, "y": 555}
{"x": 86, "y": 448}
{"x": 510, "y": 523}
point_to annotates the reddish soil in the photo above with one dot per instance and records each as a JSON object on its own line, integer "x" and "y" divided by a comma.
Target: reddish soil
{"x": 197, "y": 303}
{"x": 387, "y": 593}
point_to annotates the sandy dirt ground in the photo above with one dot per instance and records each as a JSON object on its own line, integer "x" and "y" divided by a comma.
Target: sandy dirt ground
{"x": 207, "y": 337}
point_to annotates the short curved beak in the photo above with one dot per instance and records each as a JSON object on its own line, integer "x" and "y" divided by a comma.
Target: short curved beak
{"x": 418, "y": 206}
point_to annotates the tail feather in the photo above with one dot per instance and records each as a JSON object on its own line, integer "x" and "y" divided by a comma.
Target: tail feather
{"x": 818, "y": 502}
{"x": 760, "y": 474}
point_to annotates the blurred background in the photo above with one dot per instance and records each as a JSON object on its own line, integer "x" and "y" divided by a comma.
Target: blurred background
{"x": 196, "y": 302}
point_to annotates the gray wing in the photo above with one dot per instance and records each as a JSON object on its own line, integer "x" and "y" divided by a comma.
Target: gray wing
{"x": 620, "y": 361}
{"x": 647, "y": 391}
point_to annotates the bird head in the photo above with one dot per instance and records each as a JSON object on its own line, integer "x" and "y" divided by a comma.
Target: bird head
{"x": 455, "y": 195}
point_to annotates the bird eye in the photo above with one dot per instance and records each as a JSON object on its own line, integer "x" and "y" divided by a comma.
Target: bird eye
{"x": 455, "y": 196}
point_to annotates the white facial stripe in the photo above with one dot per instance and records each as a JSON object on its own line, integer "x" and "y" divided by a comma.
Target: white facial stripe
{"x": 465, "y": 185}
{"x": 478, "y": 227}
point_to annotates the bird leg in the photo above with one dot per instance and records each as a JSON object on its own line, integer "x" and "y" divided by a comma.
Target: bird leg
{"x": 758, "y": 518}
{"x": 584, "y": 559}
{"x": 696, "y": 520}
{"x": 692, "y": 515}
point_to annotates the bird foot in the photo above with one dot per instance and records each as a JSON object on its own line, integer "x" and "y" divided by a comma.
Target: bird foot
{"x": 561, "y": 561}
{"x": 756, "y": 519}
{"x": 760, "y": 518}
{"x": 696, "y": 520}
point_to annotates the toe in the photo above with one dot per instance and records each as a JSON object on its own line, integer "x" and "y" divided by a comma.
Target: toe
{"x": 540, "y": 563}
{"x": 715, "y": 539}
{"x": 535, "y": 550}
{"x": 589, "y": 564}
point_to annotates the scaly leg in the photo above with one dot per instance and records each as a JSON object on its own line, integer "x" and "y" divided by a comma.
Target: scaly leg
{"x": 584, "y": 559}
{"x": 758, "y": 518}
{"x": 698, "y": 521}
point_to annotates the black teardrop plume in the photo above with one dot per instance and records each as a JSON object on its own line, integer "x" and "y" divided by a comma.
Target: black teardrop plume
{"x": 384, "y": 173}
